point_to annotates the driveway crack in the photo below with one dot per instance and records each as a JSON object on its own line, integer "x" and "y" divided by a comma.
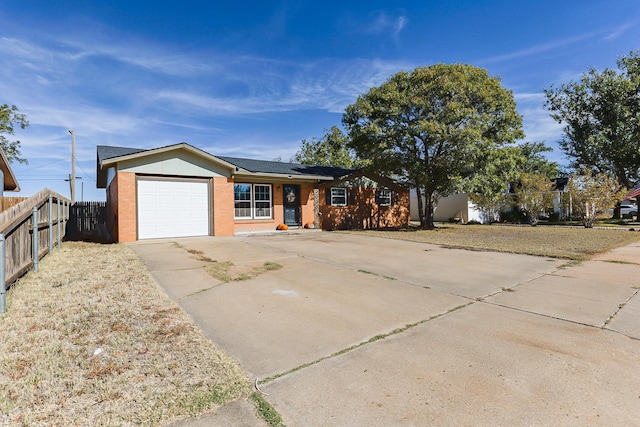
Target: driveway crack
{"x": 361, "y": 344}
{"x": 620, "y": 307}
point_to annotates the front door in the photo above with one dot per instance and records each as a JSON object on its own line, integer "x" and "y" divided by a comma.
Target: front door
{"x": 291, "y": 204}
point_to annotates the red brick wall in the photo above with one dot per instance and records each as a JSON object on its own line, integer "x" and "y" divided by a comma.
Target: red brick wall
{"x": 306, "y": 200}
{"x": 223, "y": 224}
{"x": 365, "y": 212}
{"x": 126, "y": 207}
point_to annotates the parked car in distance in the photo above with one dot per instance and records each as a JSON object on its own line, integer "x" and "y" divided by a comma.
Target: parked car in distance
{"x": 627, "y": 210}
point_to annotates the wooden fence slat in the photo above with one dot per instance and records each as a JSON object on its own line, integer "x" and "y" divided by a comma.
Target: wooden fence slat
{"x": 8, "y": 202}
{"x": 16, "y": 225}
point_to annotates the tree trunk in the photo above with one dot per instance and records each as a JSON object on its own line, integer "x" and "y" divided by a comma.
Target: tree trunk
{"x": 420, "y": 206}
{"x": 428, "y": 211}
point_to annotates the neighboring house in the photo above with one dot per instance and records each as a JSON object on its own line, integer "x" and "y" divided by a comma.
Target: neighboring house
{"x": 180, "y": 190}
{"x": 6, "y": 174}
{"x": 456, "y": 207}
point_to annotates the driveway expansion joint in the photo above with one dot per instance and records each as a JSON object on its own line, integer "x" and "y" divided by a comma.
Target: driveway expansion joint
{"x": 601, "y": 327}
{"x": 361, "y": 344}
{"x": 620, "y": 307}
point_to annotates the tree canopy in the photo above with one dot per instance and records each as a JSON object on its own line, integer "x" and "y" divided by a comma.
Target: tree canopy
{"x": 330, "y": 150}
{"x": 431, "y": 125}
{"x": 601, "y": 117}
{"x": 587, "y": 195}
{"x": 10, "y": 117}
{"x": 534, "y": 195}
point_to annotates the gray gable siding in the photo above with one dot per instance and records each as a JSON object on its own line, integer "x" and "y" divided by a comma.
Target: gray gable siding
{"x": 180, "y": 163}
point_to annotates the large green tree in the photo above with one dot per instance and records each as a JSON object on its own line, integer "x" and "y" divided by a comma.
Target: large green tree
{"x": 601, "y": 117}
{"x": 332, "y": 149}
{"x": 430, "y": 125}
{"x": 10, "y": 117}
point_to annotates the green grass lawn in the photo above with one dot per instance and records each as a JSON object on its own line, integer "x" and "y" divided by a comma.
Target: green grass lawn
{"x": 576, "y": 243}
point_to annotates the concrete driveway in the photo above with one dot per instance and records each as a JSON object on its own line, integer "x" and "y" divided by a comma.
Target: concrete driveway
{"x": 364, "y": 331}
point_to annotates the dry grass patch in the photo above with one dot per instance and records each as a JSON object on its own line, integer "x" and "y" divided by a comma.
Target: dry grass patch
{"x": 576, "y": 243}
{"x": 91, "y": 339}
{"x": 227, "y": 271}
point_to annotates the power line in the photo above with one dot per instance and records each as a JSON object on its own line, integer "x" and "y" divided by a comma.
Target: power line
{"x": 86, "y": 173}
{"x": 41, "y": 166}
{"x": 43, "y": 179}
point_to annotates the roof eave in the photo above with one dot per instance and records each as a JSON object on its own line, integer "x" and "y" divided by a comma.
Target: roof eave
{"x": 265, "y": 175}
{"x": 10, "y": 182}
{"x": 182, "y": 145}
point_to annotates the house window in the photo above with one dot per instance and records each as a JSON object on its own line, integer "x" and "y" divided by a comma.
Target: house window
{"x": 262, "y": 198}
{"x": 252, "y": 201}
{"x": 338, "y": 196}
{"x": 242, "y": 201}
{"x": 384, "y": 197}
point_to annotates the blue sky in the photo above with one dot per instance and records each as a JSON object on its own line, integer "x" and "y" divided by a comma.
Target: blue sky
{"x": 252, "y": 79}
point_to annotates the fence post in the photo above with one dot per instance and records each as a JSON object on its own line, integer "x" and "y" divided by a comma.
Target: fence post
{"x": 50, "y": 223}
{"x": 58, "y": 224}
{"x": 3, "y": 283}
{"x": 63, "y": 220}
{"x": 34, "y": 237}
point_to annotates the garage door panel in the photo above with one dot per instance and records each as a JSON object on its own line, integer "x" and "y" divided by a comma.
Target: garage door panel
{"x": 172, "y": 208}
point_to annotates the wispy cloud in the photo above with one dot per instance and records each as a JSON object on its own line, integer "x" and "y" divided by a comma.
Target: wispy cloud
{"x": 618, "y": 31}
{"x": 159, "y": 97}
{"x": 326, "y": 85}
{"x": 383, "y": 23}
{"x": 540, "y": 48}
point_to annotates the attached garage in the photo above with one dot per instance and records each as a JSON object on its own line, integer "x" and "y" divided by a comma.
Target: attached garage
{"x": 172, "y": 208}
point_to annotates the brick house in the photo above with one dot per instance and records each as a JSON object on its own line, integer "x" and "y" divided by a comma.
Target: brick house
{"x": 180, "y": 190}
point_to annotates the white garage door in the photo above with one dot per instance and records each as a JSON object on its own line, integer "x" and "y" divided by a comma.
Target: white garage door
{"x": 172, "y": 208}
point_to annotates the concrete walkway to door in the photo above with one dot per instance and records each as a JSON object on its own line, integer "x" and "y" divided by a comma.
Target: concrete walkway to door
{"x": 364, "y": 331}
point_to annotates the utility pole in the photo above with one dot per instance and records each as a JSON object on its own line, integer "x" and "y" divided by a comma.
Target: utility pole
{"x": 72, "y": 177}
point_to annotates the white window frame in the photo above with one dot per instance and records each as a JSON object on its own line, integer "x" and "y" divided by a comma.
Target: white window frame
{"x": 344, "y": 195}
{"x": 256, "y": 201}
{"x": 253, "y": 202}
{"x": 250, "y": 201}
{"x": 386, "y": 195}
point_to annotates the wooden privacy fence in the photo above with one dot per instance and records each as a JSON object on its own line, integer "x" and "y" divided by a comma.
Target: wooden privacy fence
{"x": 28, "y": 231}
{"x": 8, "y": 202}
{"x": 87, "y": 221}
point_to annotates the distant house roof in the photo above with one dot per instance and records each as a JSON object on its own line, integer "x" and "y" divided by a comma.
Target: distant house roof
{"x": 632, "y": 194}
{"x": 560, "y": 183}
{"x": 10, "y": 181}
{"x": 107, "y": 155}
